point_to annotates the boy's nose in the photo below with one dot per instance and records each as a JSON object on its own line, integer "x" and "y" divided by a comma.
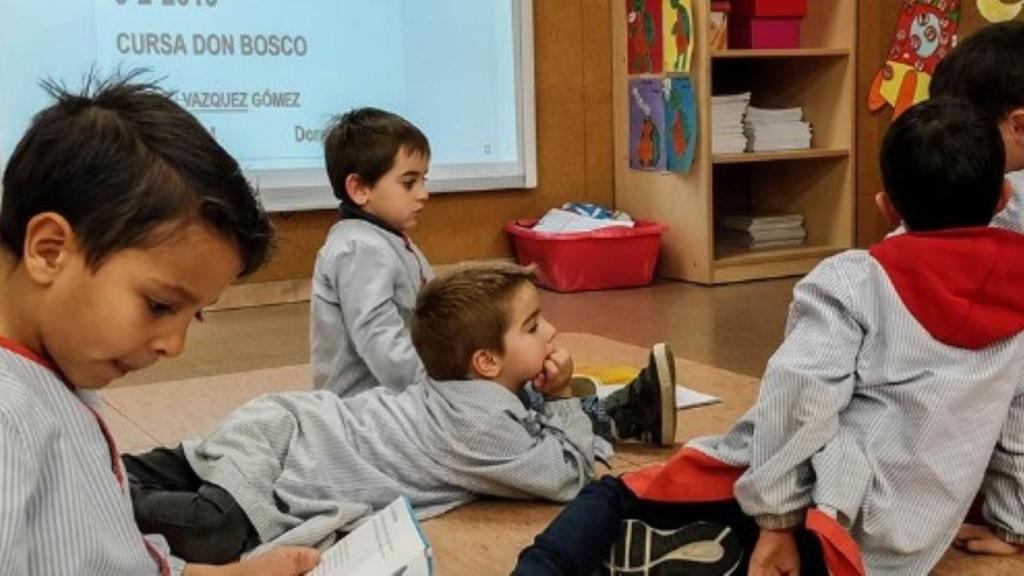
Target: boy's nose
{"x": 552, "y": 332}
{"x": 171, "y": 343}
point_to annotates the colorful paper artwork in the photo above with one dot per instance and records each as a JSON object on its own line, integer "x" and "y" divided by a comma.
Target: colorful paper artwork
{"x": 678, "y": 41}
{"x": 644, "y": 51}
{"x": 925, "y": 32}
{"x": 680, "y": 124}
{"x": 646, "y": 124}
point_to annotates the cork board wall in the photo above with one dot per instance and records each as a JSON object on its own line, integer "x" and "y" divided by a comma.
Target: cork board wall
{"x": 573, "y": 67}
{"x": 876, "y": 24}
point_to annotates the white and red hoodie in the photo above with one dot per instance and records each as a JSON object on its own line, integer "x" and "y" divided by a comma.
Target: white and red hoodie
{"x": 897, "y": 394}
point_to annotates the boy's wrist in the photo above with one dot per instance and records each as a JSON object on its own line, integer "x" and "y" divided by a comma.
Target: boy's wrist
{"x": 781, "y": 522}
{"x": 1009, "y": 537}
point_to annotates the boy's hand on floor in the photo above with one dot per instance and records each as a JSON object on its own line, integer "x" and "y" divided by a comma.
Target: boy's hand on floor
{"x": 775, "y": 554}
{"x": 978, "y": 539}
{"x": 554, "y": 381}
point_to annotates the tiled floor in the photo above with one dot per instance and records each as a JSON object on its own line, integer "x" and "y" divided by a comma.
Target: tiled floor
{"x": 734, "y": 327}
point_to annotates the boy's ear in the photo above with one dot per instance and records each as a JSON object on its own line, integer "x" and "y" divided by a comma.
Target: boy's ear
{"x": 49, "y": 242}
{"x": 357, "y": 190}
{"x": 1012, "y": 128}
{"x": 486, "y": 364}
{"x": 1015, "y": 123}
{"x": 1004, "y": 198}
{"x": 888, "y": 211}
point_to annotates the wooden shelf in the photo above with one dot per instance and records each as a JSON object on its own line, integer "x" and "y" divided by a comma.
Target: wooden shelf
{"x": 786, "y": 53}
{"x": 751, "y": 157}
{"x": 727, "y": 256}
{"x": 817, "y": 183}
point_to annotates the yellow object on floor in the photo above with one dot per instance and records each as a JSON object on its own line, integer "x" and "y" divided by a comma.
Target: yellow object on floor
{"x": 609, "y": 374}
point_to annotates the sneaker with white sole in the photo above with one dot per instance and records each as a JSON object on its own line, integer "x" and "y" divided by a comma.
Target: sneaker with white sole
{"x": 646, "y": 407}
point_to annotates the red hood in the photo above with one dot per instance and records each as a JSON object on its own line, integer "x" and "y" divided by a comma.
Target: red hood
{"x": 965, "y": 286}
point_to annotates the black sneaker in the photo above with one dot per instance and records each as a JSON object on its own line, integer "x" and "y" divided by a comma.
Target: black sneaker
{"x": 646, "y": 407}
{"x": 697, "y": 549}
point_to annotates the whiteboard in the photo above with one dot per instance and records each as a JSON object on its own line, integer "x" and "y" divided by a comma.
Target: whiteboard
{"x": 266, "y": 76}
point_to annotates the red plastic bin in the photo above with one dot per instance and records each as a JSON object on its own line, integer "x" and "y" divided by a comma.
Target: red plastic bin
{"x": 608, "y": 258}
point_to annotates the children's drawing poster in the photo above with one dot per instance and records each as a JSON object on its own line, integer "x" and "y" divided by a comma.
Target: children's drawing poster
{"x": 646, "y": 124}
{"x": 680, "y": 124}
{"x": 678, "y": 30}
{"x": 925, "y": 32}
{"x": 644, "y": 37}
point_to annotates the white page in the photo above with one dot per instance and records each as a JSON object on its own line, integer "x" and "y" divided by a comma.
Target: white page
{"x": 389, "y": 543}
{"x": 685, "y": 398}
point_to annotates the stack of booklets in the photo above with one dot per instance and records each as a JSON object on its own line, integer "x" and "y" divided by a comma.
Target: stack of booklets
{"x": 769, "y": 130}
{"x": 767, "y": 231}
{"x": 727, "y": 113}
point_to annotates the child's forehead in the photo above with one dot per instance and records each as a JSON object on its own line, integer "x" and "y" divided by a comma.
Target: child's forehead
{"x": 188, "y": 240}
{"x": 523, "y": 302}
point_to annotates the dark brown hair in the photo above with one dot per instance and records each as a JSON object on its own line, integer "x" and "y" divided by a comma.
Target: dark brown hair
{"x": 365, "y": 142}
{"x": 127, "y": 167}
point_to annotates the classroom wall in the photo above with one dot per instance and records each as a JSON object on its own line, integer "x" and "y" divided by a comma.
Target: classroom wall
{"x": 573, "y": 62}
{"x": 876, "y": 25}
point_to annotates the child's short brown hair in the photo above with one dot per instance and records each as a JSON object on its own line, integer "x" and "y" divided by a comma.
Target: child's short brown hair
{"x": 464, "y": 311}
{"x": 365, "y": 142}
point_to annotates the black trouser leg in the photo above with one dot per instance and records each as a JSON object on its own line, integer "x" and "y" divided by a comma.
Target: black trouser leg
{"x": 202, "y": 522}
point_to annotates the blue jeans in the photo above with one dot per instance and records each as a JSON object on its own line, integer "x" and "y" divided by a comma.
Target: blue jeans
{"x": 593, "y": 407}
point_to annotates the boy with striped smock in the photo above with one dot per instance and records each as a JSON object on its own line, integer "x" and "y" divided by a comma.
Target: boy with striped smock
{"x": 107, "y": 200}
{"x": 300, "y": 467}
{"x": 897, "y": 394}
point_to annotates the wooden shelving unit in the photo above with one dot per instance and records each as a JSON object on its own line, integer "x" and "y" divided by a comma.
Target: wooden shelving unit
{"x": 789, "y": 53}
{"x": 818, "y": 183}
{"x": 751, "y": 157}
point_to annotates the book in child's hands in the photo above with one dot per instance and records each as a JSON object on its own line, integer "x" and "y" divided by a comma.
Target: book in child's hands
{"x": 390, "y": 543}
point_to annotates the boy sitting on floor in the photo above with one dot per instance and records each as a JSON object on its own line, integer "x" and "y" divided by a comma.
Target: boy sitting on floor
{"x": 368, "y": 273}
{"x": 897, "y": 391}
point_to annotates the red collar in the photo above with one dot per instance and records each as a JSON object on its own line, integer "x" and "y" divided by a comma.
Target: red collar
{"x": 26, "y": 353}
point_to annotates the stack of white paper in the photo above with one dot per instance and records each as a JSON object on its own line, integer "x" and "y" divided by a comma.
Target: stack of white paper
{"x": 557, "y": 220}
{"x": 776, "y": 129}
{"x": 727, "y": 114}
{"x": 768, "y": 231}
